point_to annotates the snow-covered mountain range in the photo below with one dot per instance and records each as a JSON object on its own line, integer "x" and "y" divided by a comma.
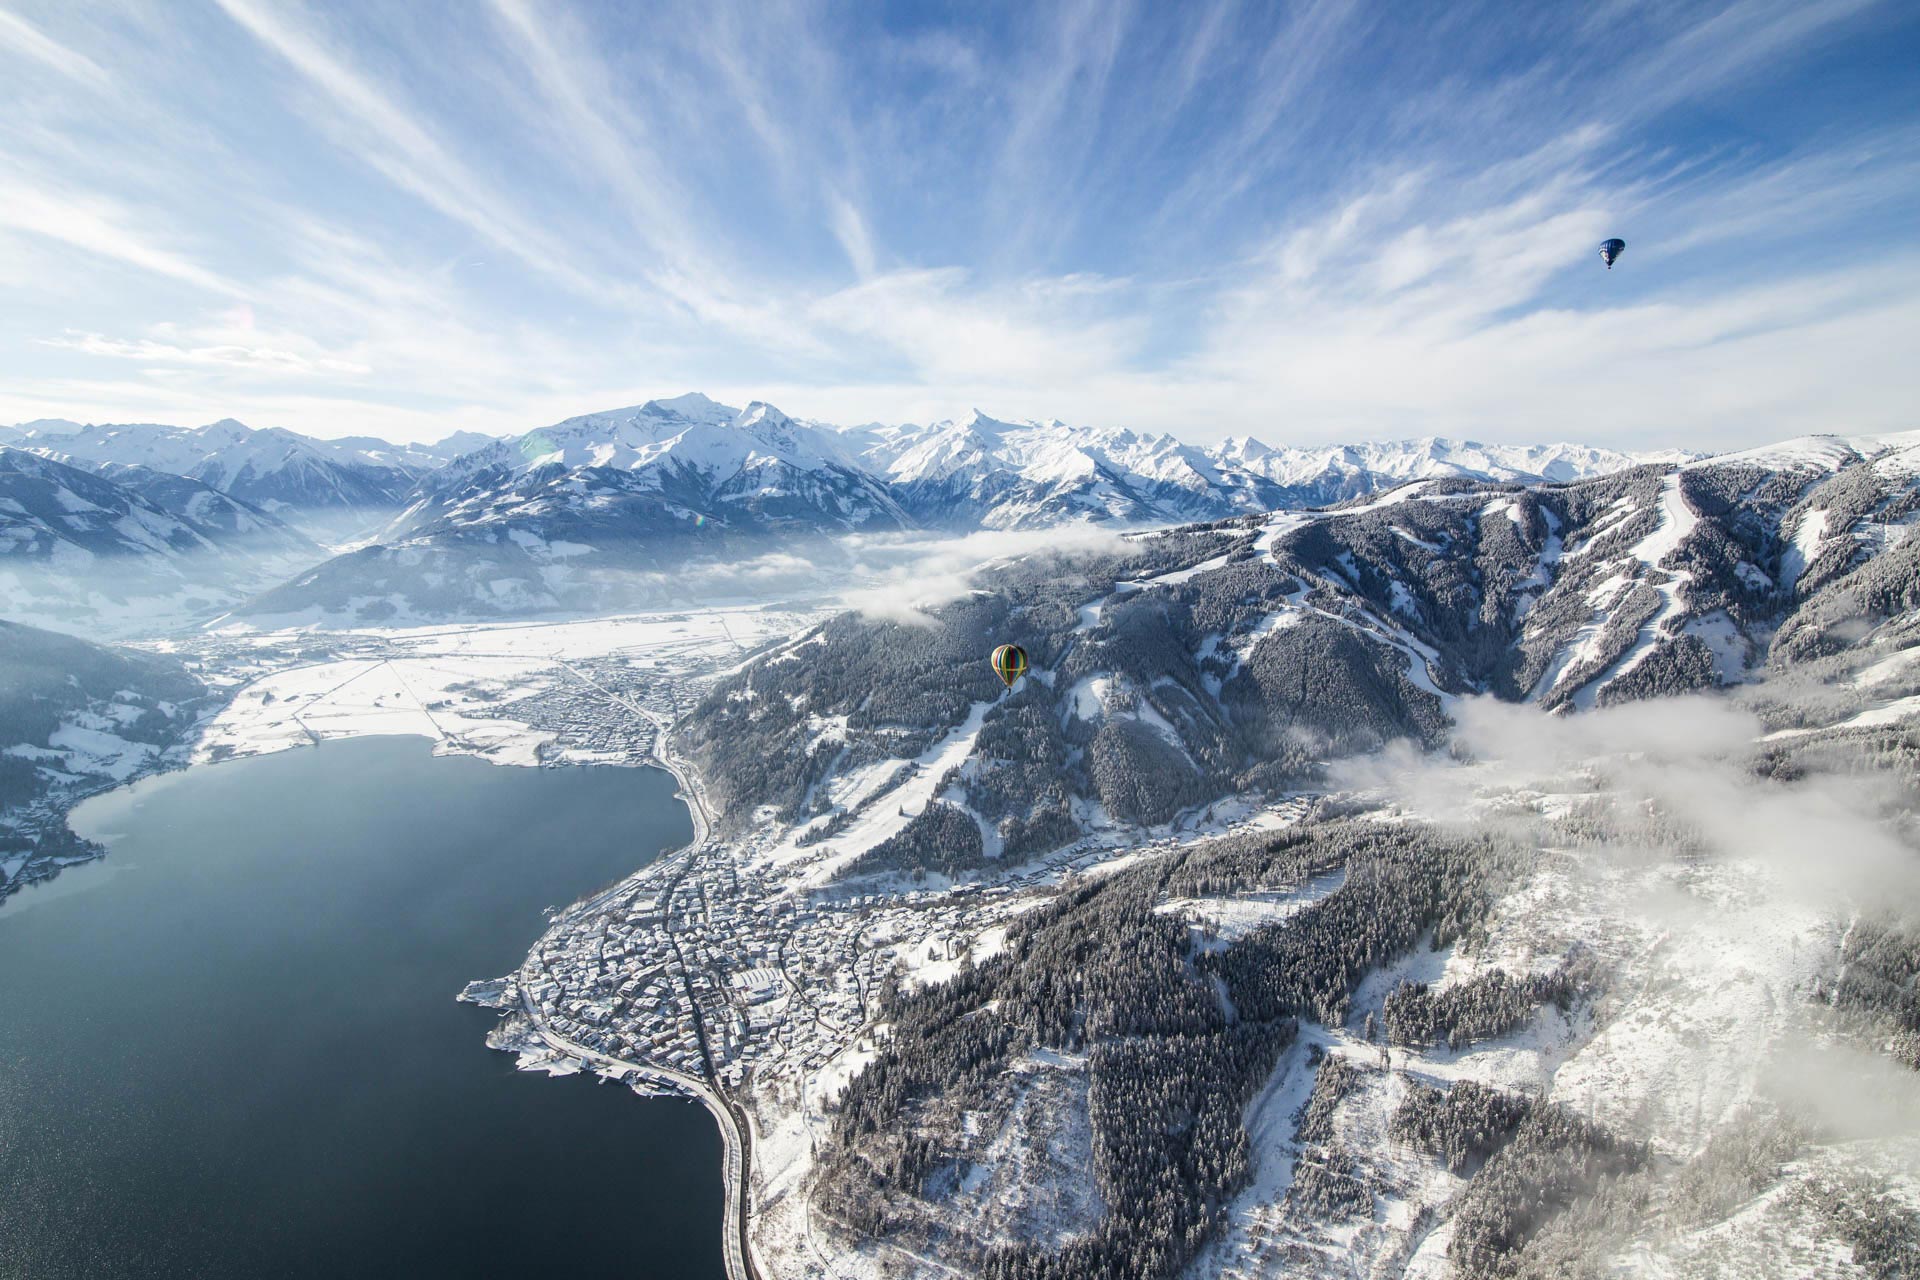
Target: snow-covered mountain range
{"x": 272, "y": 468}
{"x": 1305, "y": 635}
{"x": 564, "y": 516}
{"x": 982, "y": 472}
{"x": 664, "y": 467}
{"x": 699, "y": 461}
{"x": 104, "y": 551}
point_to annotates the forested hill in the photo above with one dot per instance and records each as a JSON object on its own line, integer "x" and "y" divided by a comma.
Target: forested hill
{"x": 76, "y": 717}
{"x": 1542, "y": 1005}
{"x": 1220, "y": 659}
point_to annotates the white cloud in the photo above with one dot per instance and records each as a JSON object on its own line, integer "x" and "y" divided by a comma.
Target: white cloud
{"x": 1688, "y": 758}
{"x": 102, "y": 227}
{"x": 22, "y": 37}
{"x": 1092, "y": 215}
{"x": 234, "y": 355}
{"x": 395, "y": 141}
{"x": 901, "y": 578}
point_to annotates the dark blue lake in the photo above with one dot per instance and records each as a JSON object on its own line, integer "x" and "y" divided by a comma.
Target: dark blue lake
{"x": 232, "y": 1048}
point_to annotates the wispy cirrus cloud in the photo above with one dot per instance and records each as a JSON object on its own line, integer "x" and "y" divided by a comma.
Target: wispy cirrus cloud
{"x": 236, "y": 355}
{"x": 102, "y": 227}
{"x": 27, "y": 40}
{"x": 1308, "y": 222}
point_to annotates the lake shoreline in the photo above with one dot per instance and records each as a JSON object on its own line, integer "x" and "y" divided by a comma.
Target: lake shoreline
{"x": 729, "y": 1117}
{"x": 323, "y": 924}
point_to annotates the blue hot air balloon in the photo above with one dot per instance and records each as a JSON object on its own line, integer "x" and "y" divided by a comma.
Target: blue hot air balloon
{"x": 1611, "y": 250}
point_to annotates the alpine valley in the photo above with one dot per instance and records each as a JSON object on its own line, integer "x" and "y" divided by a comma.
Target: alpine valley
{"x": 1418, "y": 859}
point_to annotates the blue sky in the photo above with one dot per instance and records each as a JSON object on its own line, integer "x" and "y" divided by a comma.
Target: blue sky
{"x": 1307, "y": 222}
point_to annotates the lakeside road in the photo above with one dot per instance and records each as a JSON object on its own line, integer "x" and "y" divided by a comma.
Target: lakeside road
{"x": 735, "y": 1129}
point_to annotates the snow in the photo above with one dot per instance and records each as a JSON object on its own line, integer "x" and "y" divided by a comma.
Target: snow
{"x": 1508, "y": 507}
{"x": 1698, "y": 1005}
{"x": 689, "y": 431}
{"x": 96, "y": 751}
{"x": 441, "y": 681}
{"x": 1087, "y": 699}
{"x": 1407, "y": 535}
{"x": 1723, "y": 639}
{"x": 888, "y": 812}
{"x": 1805, "y": 548}
{"x": 1177, "y": 576}
{"x": 1816, "y": 453}
{"x": 1229, "y": 919}
{"x": 1891, "y": 713}
{"x": 1886, "y": 669}
{"x": 1677, "y": 522}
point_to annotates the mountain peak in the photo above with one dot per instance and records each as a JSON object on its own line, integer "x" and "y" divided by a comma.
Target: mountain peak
{"x": 692, "y": 406}
{"x": 760, "y": 411}
{"x": 987, "y": 424}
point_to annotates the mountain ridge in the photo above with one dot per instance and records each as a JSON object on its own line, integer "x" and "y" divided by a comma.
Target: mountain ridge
{"x": 560, "y": 517}
{"x": 269, "y": 467}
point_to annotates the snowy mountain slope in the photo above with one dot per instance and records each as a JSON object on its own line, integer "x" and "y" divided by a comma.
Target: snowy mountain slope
{"x": 1030, "y": 474}
{"x": 600, "y": 512}
{"x": 45, "y": 427}
{"x": 1613, "y": 983}
{"x": 754, "y": 468}
{"x": 1235, "y": 655}
{"x": 418, "y": 458}
{"x": 975, "y": 473}
{"x": 76, "y": 717}
{"x": 1322, "y": 476}
{"x": 60, "y": 514}
{"x": 81, "y": 550}
{"x": 206, "y": 507}
{"x": 641, "y": 488}
{"x": 1655, "y": 580}
{"x": 272, "y": 468}
{"x": 983, "y": 472}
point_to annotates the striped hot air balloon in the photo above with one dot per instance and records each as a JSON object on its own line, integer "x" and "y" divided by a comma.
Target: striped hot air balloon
{"x": 1009, "y": 663}
{"x": 1609, "y": 250}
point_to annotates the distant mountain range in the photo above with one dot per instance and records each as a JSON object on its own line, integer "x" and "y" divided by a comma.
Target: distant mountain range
{"x": 985, "y": 473}
{"x": 112, "y": 548}
{"x": 562, "y": 517}
{"x": 272, "y": 468}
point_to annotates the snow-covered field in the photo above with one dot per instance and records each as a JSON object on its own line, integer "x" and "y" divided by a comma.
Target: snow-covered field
{"x": 438, "y": 682}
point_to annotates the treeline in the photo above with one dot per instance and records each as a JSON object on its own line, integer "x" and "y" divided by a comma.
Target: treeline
{"x": 1553, "y": 1160}
{"x": 1877, "y": 985}
{"x": 900, "y": 686}
{"x": 941, "y": 837}
{"x": 1333, "y": 1076}
{"x": 1534, "y": 1161}
{"x": 1172, "y": 1065}
{"x": 1482, "y": 1008}
{"x": 1100, "y": 972}
{"x": 1189, "y": 721}
{"x": 1461, "y": 1126}
{"x": 1326, "y": 1185}
{"x": 1404, "y": 881}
